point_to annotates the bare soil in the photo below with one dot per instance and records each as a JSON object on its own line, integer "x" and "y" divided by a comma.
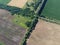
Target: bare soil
{"x": 45, "y": 33}
{"x": 17, "y": 3}
{"x": 10, "y": 33}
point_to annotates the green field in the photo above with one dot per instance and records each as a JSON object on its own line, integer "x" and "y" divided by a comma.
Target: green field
{"x": 52, "y": 9}
{"x": 4, "y": 1}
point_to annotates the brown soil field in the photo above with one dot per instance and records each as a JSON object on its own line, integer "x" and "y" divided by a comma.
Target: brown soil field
{"x": 45, "y": 33}
{"x": 10, "y": 33}
{"x": 17, "y": 3}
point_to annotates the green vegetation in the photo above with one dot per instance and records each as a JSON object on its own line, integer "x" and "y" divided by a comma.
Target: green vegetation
{"x": 33, "y": 4}
{"x": 4, "y": 1}
{"x": 21, "y": 20}
{"x": 1, "y": 43}
{"x": 30, "y": 7}
{"x": 52, "y": 9}
{"x": 29, "y": 31}
{"x": 21, "y": 16}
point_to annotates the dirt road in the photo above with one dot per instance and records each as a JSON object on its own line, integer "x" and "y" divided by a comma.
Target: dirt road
{"x": 17, "y": 3}
{"x": 45, "y": 33}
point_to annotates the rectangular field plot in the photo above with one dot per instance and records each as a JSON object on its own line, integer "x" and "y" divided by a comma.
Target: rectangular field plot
{"x": 52, "y": 9}
{"x": 18, "y": 3}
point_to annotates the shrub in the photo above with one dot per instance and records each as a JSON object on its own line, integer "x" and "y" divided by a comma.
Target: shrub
{"x": 28, "y": 23}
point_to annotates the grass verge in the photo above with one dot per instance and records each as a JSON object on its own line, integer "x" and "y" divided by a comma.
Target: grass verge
{"x": 50, "y": 20}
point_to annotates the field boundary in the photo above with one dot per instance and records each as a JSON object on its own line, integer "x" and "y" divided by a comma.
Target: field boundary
{"x": 50, "y": 20}
{"x": 33, "y": 24}
{"x": 30, "y": 30}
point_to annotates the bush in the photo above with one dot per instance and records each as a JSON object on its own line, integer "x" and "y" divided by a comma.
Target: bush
{"x": 28, "y": 23}
{"x": 34, "y": 3}
{"x": 27, "y": 12}
{"x": 15, "y": 10}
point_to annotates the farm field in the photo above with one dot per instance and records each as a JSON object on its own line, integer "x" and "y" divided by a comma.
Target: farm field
{"x": 45, "y": 33}
{"x": 52, "y": 9}
{"x": 10, "y": 33}
{"x": 17, "y": 3}
{"x": 4, "y": 1}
